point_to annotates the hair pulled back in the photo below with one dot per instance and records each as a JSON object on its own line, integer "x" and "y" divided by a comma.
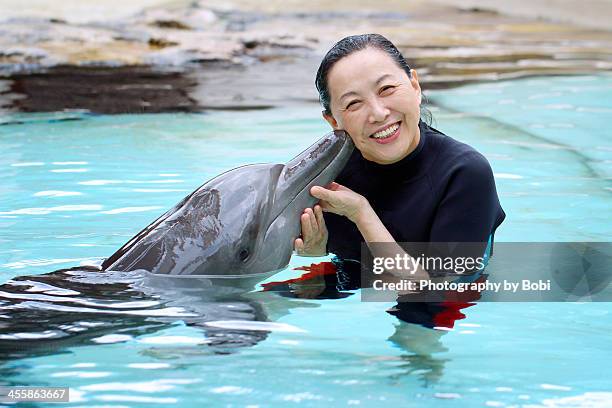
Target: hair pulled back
{"x": 347, "y": 46}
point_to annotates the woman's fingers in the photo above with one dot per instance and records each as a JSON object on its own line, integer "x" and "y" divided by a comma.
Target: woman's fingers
{"x": 314, "y": 233}
{"x": 326, "y": 197}
{"x": 306, "y": 227}
{"x": 299, "y": 245}
{"x": 318, "y": 212}
{"x": 320, "y": 192}
{"x": 314, "y": 227}
{"x": 338, "y": 187}
{"x": 333, "y": 186}
{"x": 324, "y": 205}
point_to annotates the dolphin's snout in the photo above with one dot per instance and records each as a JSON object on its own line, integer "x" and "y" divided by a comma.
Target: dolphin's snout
{"x": 322, "y": 162}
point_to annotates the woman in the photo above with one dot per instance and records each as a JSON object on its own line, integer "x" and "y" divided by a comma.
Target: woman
{"x": 406, "y": 182}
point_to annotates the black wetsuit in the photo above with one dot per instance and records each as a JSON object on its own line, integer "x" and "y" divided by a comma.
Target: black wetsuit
{"x": 443, "y": 191}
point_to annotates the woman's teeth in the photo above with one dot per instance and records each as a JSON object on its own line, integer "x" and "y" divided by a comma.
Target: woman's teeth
{"x": 387, "y": 132}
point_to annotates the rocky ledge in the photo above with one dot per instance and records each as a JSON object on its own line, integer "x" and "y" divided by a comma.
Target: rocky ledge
{"x": 188, "y": 56}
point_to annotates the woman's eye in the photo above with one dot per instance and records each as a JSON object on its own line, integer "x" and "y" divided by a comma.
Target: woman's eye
{"x": 353, "y": 105}
{"x": 387, "y": 89}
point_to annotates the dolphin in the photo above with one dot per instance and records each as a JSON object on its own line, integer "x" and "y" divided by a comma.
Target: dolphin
{"x": 238, "y": 227}
{"x": 241, "y": 223}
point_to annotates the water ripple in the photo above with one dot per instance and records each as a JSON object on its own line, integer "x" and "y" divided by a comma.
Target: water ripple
{"x": 447, "y": 395}
{"x": 28, "y": 164}
{"x": 159, "y": 190}
{"x": 83, "y": 365}
{"x": 78, "y": 170}
{"x": 149, "y": 366}
{"x": 509, "y": 176}
{"x": 586, "y": 400}
{"x": 130, "y": 210}
{"x": 231, "y": 389}
{"x": 99, "y": 182}
{"x": 48, "y": 210}
{"x": 103, "y": 182}
{"x": 112, "y": 338}
{"x": 45, "y": 288}
{"x": 299, "y": 397}
{"x": 255, "y": 326}
{"x": 40, "y": 262}
{"x": 104, "y": 305}
{"x": 174, "y": 340}
{"x": 165, "y": 312}
{"x": 149, "y": 386}
{"x": 56, "y": 193}
{"x": 68, "y": 163}
{"x": 133, "y": 398}
{"x": 555, "y": 387}
{"x": 47, "y": 334}
{"x": 82, "y": 374}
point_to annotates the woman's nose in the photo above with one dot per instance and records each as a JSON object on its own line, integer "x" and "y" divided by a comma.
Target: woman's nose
{"x": 378, "y": 111}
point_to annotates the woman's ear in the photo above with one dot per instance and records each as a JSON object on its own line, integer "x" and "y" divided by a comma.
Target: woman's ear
{"x": 331, "y": 120}
{"x": 414, "y": 80}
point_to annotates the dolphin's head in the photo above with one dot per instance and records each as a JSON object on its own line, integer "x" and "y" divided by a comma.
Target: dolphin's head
{"x": 242, "y": 223}
{"x": 268, "y": 221}
{"x": 316, "y": 166}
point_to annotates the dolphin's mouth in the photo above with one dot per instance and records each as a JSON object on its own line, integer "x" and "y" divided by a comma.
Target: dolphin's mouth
{"x": 291, "y": 172}
{"x": 298, "y": 192}
{"x": 308, "y": 185}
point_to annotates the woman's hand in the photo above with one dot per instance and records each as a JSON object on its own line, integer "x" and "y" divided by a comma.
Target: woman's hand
{"x": 314, "y": 233}
{"x": 340, "y": 200}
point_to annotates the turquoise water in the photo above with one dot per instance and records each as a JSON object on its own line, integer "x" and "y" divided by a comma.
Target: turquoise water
{"x": 73, "y": 191}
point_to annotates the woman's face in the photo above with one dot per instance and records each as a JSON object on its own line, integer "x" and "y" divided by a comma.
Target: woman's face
{"x": 376, "y": 103}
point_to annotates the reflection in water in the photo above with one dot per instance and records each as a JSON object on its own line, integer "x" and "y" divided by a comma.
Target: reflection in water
{"x": 422, "y": 346}
{"x": 414, "y": 332}
{"x": 47, "y": 314}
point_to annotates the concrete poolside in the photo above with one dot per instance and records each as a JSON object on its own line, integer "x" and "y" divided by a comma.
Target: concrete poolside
{"x": 183, "y": 56}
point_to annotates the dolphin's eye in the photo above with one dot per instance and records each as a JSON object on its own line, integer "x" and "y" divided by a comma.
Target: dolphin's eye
{"x": 244, "y": 254}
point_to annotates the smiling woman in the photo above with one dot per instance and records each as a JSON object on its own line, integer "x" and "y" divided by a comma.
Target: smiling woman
{"x": 377, "y": 104}
{"x": 406, "y": 182}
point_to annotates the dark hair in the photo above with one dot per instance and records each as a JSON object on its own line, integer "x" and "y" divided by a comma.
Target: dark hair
{"x": 347, "y": 46}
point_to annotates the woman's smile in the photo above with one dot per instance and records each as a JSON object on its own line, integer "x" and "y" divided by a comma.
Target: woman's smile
{"x": 387, "y": 134}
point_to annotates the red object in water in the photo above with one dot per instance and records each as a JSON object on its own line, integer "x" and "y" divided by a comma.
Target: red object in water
{"x": 454, "y": 303}
{"x": 450, "y": 314}
{"x": 312, "y": 271}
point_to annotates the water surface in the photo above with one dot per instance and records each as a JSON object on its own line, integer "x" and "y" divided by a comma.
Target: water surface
{"x": 74, "y": 187}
